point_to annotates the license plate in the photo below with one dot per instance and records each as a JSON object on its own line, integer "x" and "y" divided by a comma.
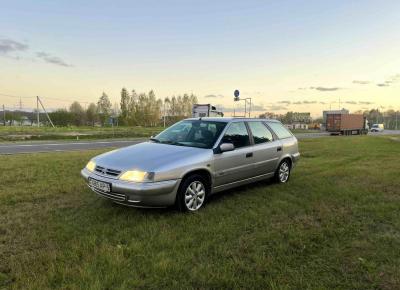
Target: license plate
{"x": 99, "y": 185}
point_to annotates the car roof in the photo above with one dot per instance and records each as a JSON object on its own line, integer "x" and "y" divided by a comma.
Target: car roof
{"x": 230, "y": 119}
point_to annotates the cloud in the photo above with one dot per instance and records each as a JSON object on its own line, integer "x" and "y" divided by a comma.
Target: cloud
{"x": 275, "y": 108}
{"x": 321, "y": 89}
{"x": 240, "y": 108}
{"x": 297, "y": 103}
{"x": 395, "y": 78}
{"x": 361, "y": 82}
{"x": 9, "y": 46}
{"x": 322, "y": 103}
{"x": 351, "y": 102}
{"x": 365, "y": 103}
{"x": 391, "y": 80}
{"x": 325, "y": 89}
{"x": 213, "y": 96}
{"x": 382, "y": 85}
{"x": 257, "y": 108}
{"x": 309, "y": 102}
{"x": 52, "y": 59}
{"x": 285, "y": 102}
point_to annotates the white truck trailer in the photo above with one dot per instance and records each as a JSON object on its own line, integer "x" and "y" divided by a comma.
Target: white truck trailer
{"x": 205, "y": 110}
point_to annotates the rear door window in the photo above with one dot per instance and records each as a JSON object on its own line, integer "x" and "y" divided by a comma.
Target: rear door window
{"x": 260, "y": 132}
{"x": 237, "y": 134}
{"x": 279, "y": 130}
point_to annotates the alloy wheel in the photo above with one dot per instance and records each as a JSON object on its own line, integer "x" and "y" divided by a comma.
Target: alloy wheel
{"x": 195, "y": 195}
{"x": 284, "y": 171}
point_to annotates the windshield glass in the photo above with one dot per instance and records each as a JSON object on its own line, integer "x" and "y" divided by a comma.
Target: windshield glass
{"x": 193, "y": 133}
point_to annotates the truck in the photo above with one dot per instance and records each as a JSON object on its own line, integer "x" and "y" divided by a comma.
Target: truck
{"x": 346, "y": 124}
{"x": 377, "y": 128}
{"x": 205, "y": 110}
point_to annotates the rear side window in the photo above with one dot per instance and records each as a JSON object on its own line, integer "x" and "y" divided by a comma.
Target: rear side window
{"x": 279, "y": 130}
{"x": 260, "y": 132}
{"x": 237, "y": 134}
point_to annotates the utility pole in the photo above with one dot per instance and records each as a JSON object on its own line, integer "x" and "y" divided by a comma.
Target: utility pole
{"x": 48, "y": 117}
{"x": 37, "y": 110}
{"x": 397, "y": 112}
{"x": 4, "y": 115}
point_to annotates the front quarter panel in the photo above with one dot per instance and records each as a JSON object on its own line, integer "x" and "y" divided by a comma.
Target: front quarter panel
{"x": 178, "y": 168}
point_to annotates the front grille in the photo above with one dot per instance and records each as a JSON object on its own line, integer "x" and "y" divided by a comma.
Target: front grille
{"x": 107, "y": 171}
{"x": 110, "y": 195}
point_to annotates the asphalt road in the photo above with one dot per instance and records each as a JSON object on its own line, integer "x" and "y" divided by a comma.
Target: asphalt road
{"x": 54, "y": 146}
{"x": 49, "y": 146}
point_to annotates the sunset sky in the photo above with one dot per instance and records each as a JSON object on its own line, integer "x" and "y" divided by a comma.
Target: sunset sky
{"x": 286, "y": 55}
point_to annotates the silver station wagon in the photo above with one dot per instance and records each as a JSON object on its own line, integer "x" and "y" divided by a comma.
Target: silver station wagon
{"x": 193, "y": 159}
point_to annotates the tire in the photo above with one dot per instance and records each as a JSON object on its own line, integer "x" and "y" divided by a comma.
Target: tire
{"x": 192, "y": 193}
{"x": 282, "y": 173}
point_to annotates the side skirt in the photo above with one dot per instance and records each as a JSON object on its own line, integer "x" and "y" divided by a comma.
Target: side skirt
{"x": 241, "y": 182}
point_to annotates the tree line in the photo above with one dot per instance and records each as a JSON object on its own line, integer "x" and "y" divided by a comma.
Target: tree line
{"x": 134, "y": 109}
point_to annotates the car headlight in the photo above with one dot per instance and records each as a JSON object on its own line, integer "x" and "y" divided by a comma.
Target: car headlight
{"x": 137, "y": 176}
{"x": 91, "y": 166}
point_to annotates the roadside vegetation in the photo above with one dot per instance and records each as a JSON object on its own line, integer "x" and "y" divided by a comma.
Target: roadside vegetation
{"x": 21, "y": 133}
{"x": 335, "y": 225}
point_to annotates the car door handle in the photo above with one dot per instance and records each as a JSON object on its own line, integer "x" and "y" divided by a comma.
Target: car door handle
{"x": 279, "y": 149}
{"x": 248, "y": 155}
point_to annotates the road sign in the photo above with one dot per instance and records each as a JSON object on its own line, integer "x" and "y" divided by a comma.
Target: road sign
{"x": 236, "y": 93}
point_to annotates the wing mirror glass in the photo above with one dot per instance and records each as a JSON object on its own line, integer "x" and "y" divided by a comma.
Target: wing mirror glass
{"x": 225, "y": 147}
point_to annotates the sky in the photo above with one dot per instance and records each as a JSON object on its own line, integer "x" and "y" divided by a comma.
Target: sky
{"x": 304, "y": 56}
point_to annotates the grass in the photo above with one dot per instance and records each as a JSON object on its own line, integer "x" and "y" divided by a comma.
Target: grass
{"x": 22, "y": 133}
{"x": 297, "y": 131}
{"x": 335, "y": 225}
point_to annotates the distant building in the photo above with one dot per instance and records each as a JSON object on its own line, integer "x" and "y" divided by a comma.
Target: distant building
{"x": 297, "y": 126}
{"x": 301, "y": 118}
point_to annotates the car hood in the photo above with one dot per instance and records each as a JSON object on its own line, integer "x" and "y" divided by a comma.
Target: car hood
{"x": 147, "y": 156}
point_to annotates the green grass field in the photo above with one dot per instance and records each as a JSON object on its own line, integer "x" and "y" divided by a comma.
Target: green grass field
{"x": 22, "y": 133}
{"x": 335, "y": 225}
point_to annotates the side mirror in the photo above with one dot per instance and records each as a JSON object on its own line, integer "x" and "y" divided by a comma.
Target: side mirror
{"x": 225, "y": 147}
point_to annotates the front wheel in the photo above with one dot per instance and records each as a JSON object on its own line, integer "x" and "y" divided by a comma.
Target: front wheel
{"x": 283, "y": 172}
{"x": 192, "y": 194}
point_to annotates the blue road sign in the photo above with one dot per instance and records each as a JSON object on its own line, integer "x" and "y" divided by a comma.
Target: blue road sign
{"x": 236, "y": 93}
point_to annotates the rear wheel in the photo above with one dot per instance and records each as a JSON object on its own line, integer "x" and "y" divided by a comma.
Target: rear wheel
{"x": 192, "y": 193}
{"x": 282, "y": 174}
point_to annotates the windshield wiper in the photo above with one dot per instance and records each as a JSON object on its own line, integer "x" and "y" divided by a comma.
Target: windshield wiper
{"x": 171, "y": 142}
{"x": 155, "y": 140}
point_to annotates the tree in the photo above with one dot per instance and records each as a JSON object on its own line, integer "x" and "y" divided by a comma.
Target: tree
{"x": 77, "y": 114}
{"x": 125, "y": 106}
{"x": 91, "y": 114}
{"x": 104, "y": 108}
{"x": 132, "y": 118}
{"x": 61, "y": 117}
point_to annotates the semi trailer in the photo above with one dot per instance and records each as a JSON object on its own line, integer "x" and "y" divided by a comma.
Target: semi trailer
{"x": 346, "y": 124}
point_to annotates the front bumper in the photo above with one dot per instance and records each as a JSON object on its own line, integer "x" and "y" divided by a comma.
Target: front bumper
{"x": 145, "y": 194}
{"x": 295, "y": 158}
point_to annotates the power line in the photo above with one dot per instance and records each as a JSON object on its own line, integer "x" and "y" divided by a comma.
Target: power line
{"x": 47, "y": 98}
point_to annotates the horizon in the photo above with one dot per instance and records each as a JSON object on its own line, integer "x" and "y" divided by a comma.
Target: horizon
{"x": 286, "y": 56}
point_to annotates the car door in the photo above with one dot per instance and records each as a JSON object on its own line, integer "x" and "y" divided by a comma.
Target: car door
{"x": 236, "y": 165}
{"x": 266, "y": 150}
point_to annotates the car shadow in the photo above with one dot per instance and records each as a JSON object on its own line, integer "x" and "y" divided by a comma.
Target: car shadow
{"x": 218, "y": 197}
{"x": 212, "y": 200}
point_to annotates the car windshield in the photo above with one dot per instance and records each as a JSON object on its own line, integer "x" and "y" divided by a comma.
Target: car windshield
{"x": 192, "y": 133}
{"x": 375, "y": 126}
